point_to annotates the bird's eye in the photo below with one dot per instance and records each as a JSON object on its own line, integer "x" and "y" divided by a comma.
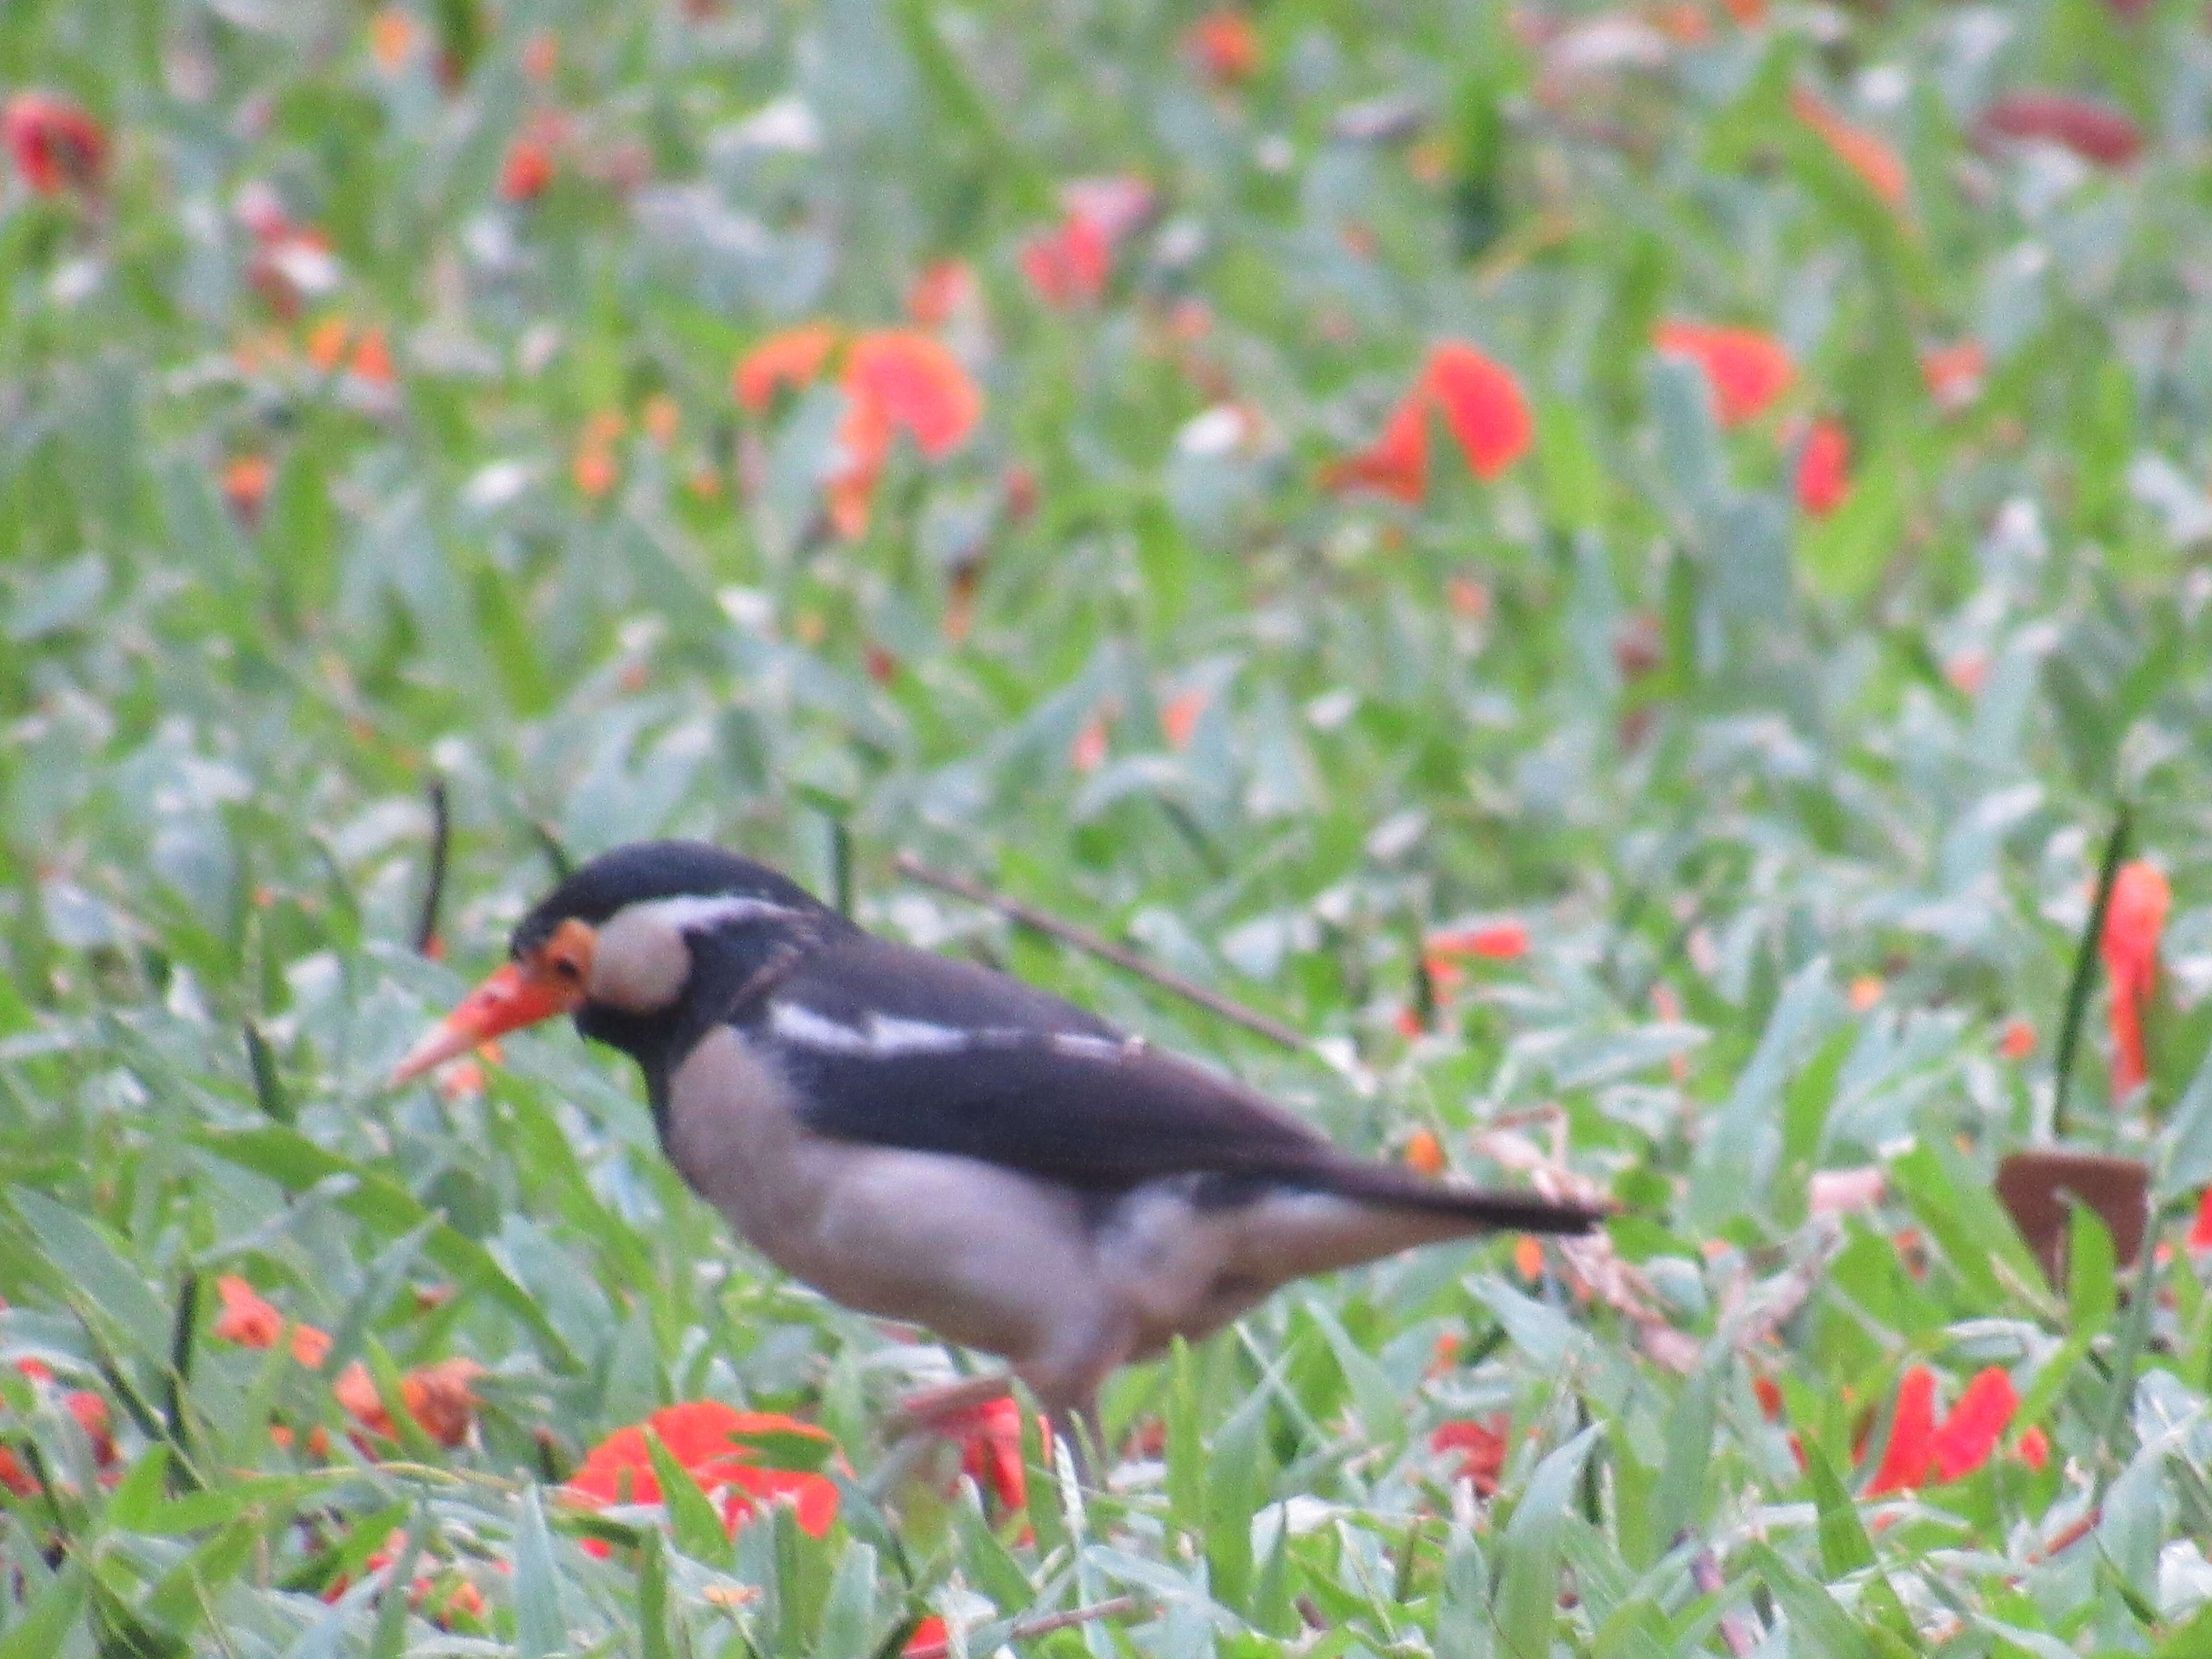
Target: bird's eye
{"x": 568, "y": 969}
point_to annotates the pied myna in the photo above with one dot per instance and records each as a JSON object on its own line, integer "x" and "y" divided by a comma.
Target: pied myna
{"x": 926, "y": 1140}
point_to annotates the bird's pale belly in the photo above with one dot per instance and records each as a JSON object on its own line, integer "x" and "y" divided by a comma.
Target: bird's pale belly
{"x": 982, "y": 1255}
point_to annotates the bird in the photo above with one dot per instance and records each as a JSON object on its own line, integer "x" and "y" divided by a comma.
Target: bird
{"x": 926, "y": 1140}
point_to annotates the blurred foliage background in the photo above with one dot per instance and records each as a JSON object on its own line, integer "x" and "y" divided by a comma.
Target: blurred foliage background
{"x": 1617, "y": 567}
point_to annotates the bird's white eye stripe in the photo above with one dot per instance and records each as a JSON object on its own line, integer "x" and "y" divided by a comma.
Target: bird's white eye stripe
{"x": 692, "y": 910}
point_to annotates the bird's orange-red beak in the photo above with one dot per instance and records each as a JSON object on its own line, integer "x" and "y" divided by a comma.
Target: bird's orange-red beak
{"x": 518, "y": 994}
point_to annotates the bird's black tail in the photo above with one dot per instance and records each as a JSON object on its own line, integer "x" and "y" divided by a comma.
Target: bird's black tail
{"x": 1479, "y": 1207}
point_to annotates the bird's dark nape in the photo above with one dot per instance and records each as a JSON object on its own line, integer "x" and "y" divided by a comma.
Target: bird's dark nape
{"x": 648, "y": 869}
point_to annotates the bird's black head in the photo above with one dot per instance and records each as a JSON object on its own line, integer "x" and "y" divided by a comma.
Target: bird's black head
{"x": 647, "y": 945}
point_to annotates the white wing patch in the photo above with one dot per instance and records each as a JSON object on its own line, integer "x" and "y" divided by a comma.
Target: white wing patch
{"x": 882, "y": 1036}
{"x": 885, "y": 1036}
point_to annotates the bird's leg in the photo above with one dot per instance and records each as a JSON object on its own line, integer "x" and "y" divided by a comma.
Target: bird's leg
{"x": 1066, "y": 1381}
{"x": 928, "y": 1410}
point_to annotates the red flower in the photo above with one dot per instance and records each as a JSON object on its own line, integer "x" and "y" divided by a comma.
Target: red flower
{"x": 1226, "y": 46}
{"x": 1069, "y": 265}
{"x": 1747, "y": 370}
{"x": 1482, "y": 1445}
{"x": 2033, "y": 1448}
{"x": 1500, "y": 941}
{"x": 1954, "y": 372}
{"x": 2018, "y": 1041}
{"x": 2133, "y": 921}
{"x": 1971, "y": 1432}
{"x": 1482, "y": 409}
{"x": 928, "y": 1641}
{"x": 526, "y": 171}
{"x": 1482, "y": 406}
{"x": 708, "y": 1439}
{"x": 1396, "y": 464}
{"x": 894, "y": 380}
{"x": 1823, "y": 469}
{"x": 990, "y": 1439}
{"x": 1905, "y": 1460}
{"x": 2200, "y": 1231}
{"x": 1918, "y": 1450}
{"x": 793, "y": 359}
{"x": 1857, "y": 148}
{"x": 943, "y": 289}
{"x": 2093, "y": 132}
{"x": 55, "y": 142}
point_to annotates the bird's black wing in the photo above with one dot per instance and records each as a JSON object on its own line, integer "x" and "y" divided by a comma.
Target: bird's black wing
{"x": 903, "y": 1047}
{"x": 900, "y": 1048}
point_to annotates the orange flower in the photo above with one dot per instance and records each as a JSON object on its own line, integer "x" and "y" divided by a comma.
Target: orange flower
{"x": 707, "y": 1440}
{"x": 1823, "y": 469}
{"x": 793, "y": 359}
{"x": 894, "y": 380}
{"x": 1905, "y": 1459}
{"x": 392, "y": 39}
{"x": 2097, "y": 134}
{"x": 1425, "y": 1154}
{"x": 1482, "y": 408}
{"x": 1179, "y": 717}
{"x": 437, "y": 1396}
{"x": 1865, "y": 991}
{"x": 541, "y": 56}
{"x": 2133, "y": 922}
{"x": 246, "y": 482}
{"x": 370, "y": 358}
{"x": 54, "y": 142}
{"x": 1529, "y": 1257}
{"x": 1226, "y": 46}
{"x": 252, "y": 1322}
{"x": 2018, "y": 1040}
{"x": 1857, "y": 148}
{"x": 1954, "y": 372}
{"x": 1482, "y": 1444}
{"x": 1747, "y": 370}
{"x": 1088, "y": 752}
{"x": 1971, "y": 1432}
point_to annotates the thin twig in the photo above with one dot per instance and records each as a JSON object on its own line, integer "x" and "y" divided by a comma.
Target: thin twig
{"x": 434, "y": 890}
{"x": 1083, "y": 938}
{"x": 1025, "y": 1630}
{"x": 2085, "y": 967}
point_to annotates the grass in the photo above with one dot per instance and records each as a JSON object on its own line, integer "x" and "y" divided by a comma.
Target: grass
{"x": 370, "y": 426}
